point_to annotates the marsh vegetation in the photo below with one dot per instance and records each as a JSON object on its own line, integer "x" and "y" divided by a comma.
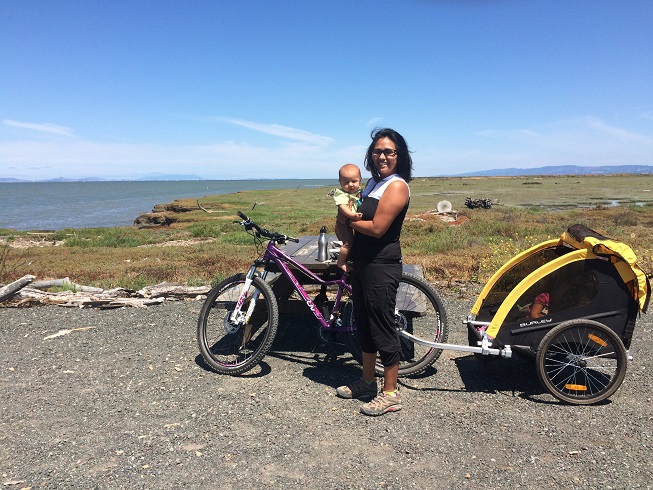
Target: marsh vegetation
{"x": 202, "y": 247}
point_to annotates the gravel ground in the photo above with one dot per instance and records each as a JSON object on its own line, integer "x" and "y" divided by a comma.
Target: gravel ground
{"x": 124, "y": 401}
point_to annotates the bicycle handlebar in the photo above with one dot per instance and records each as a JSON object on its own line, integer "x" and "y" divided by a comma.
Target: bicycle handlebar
{"x": 248, "y": 224}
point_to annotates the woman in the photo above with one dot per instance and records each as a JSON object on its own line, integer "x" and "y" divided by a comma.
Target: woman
{"x": 377, "y": 269}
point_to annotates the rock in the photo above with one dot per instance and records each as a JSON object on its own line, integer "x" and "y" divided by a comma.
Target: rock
{"x": 150, "y": 220}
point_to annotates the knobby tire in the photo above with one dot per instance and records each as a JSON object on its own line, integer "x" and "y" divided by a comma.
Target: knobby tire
{"x": 230, "y": 348}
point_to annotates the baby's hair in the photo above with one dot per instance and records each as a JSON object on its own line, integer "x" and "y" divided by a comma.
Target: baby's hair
{"x": 350, "y": 167}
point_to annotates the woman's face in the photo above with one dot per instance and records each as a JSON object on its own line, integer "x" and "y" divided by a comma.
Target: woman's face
{"x": 384, "y": 157}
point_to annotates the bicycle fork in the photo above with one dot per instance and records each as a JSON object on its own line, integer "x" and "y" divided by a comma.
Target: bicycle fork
{"x": 238, "y": 318}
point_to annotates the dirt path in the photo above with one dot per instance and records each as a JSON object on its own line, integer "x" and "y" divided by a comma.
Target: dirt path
{"x": 122, "y": 400}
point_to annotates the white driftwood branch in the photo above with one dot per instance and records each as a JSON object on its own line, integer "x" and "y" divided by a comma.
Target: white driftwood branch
{"x": 167, "y": 290}
{"x": 204, "y": 209}
{"x": 10, "y": 289}
{"x": 88, "y": 297}
{"x": 65, "y": 282}
{"x": 28, "y": 296}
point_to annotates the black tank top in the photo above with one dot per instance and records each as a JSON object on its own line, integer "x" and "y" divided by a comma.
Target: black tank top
{"x": 386, "y": 249}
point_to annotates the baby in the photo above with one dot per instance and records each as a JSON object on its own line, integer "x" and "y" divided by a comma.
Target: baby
{"x": 347, "y": 199}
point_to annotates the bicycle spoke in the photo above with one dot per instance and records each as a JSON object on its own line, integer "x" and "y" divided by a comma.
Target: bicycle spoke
{"x": 581, "y": 361}
{"x": 230, "y": 343}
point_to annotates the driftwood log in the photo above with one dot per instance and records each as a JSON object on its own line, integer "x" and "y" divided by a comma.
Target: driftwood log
{"x": 204, "y": 209}
{"x": 482, "y": 202}
{"x": 65, "y": 282}
{"x": 18, "y": 294}
{"x": 173, "y": 290}
{"x": 10, "y": 289}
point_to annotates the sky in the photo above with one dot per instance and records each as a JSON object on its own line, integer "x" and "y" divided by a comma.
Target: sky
{"x": 248, "y": 89}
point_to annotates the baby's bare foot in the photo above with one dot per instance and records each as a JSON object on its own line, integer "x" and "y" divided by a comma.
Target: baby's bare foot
{"x": 342, "y": 264}
{"x": 346, "y": 267}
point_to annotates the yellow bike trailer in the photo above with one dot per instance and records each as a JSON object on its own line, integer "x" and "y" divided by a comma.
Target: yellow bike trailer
{"x": 571, "y": 304}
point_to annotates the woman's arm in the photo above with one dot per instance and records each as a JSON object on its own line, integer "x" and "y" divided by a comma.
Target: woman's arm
{"x": 390, "y": 205}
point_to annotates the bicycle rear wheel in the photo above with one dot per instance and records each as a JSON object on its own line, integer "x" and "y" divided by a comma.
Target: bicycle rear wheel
{"x": 235, "y": 346}
{"x": 420, "y": 312}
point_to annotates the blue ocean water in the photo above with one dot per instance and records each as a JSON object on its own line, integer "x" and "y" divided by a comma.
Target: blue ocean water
{"x": 59, "y": 205}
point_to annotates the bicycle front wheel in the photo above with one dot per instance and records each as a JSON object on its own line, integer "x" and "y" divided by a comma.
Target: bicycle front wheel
{"x": 420, "y": 312}
{"x": 233, "y": 343}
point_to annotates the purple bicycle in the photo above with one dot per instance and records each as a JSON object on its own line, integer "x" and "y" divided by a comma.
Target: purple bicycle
{"x": 239, "y": 318}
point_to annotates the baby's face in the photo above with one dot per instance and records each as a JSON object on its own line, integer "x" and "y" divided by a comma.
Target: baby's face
{"x": 350, "y": 183}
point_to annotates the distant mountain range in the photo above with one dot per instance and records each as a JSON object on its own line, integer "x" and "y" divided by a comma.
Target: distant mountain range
{"x": 562, "y": 170}
{"x": 501, "y": 172}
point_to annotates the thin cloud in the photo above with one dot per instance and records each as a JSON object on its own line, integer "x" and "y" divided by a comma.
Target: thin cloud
{"x": 40, "y": 127}
{"x": 579, "y": 141}
{"x": 646, "y": 113}
{"x": 509, "y": 133}
{"x": 573, "y": 132}
{"x": 374, "y": 121}
{"x": 618, "y": 133}
{"x": 224, "y": 160}
{"x": 582, "y": 140}
{"x": 282, "y": 131}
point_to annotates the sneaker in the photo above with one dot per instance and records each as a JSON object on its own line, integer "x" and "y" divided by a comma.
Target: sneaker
{"x": 382, "y": 404}
{"x": 358, "y": 389}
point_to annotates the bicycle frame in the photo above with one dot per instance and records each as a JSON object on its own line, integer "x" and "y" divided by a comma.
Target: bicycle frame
{"x": 278, "y": 257}
{"x": 281, "y": 259}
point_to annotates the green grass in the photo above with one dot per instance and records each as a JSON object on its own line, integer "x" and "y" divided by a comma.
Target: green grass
{"x": 108, "y": 237}
{"x": 529, "y": 210}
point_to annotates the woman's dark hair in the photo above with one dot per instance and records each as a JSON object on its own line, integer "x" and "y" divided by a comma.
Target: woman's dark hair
{"x": 404, "y": 161}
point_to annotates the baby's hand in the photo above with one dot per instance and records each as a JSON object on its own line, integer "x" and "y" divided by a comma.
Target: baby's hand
{"x": 357, "y": 217}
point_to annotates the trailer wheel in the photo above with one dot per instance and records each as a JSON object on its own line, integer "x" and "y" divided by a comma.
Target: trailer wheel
{"x": 581, "y": 362}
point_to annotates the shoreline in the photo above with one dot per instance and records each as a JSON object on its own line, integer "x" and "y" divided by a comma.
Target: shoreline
{"x": 586, "y": 191}
{"x": 56, "y": 206}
